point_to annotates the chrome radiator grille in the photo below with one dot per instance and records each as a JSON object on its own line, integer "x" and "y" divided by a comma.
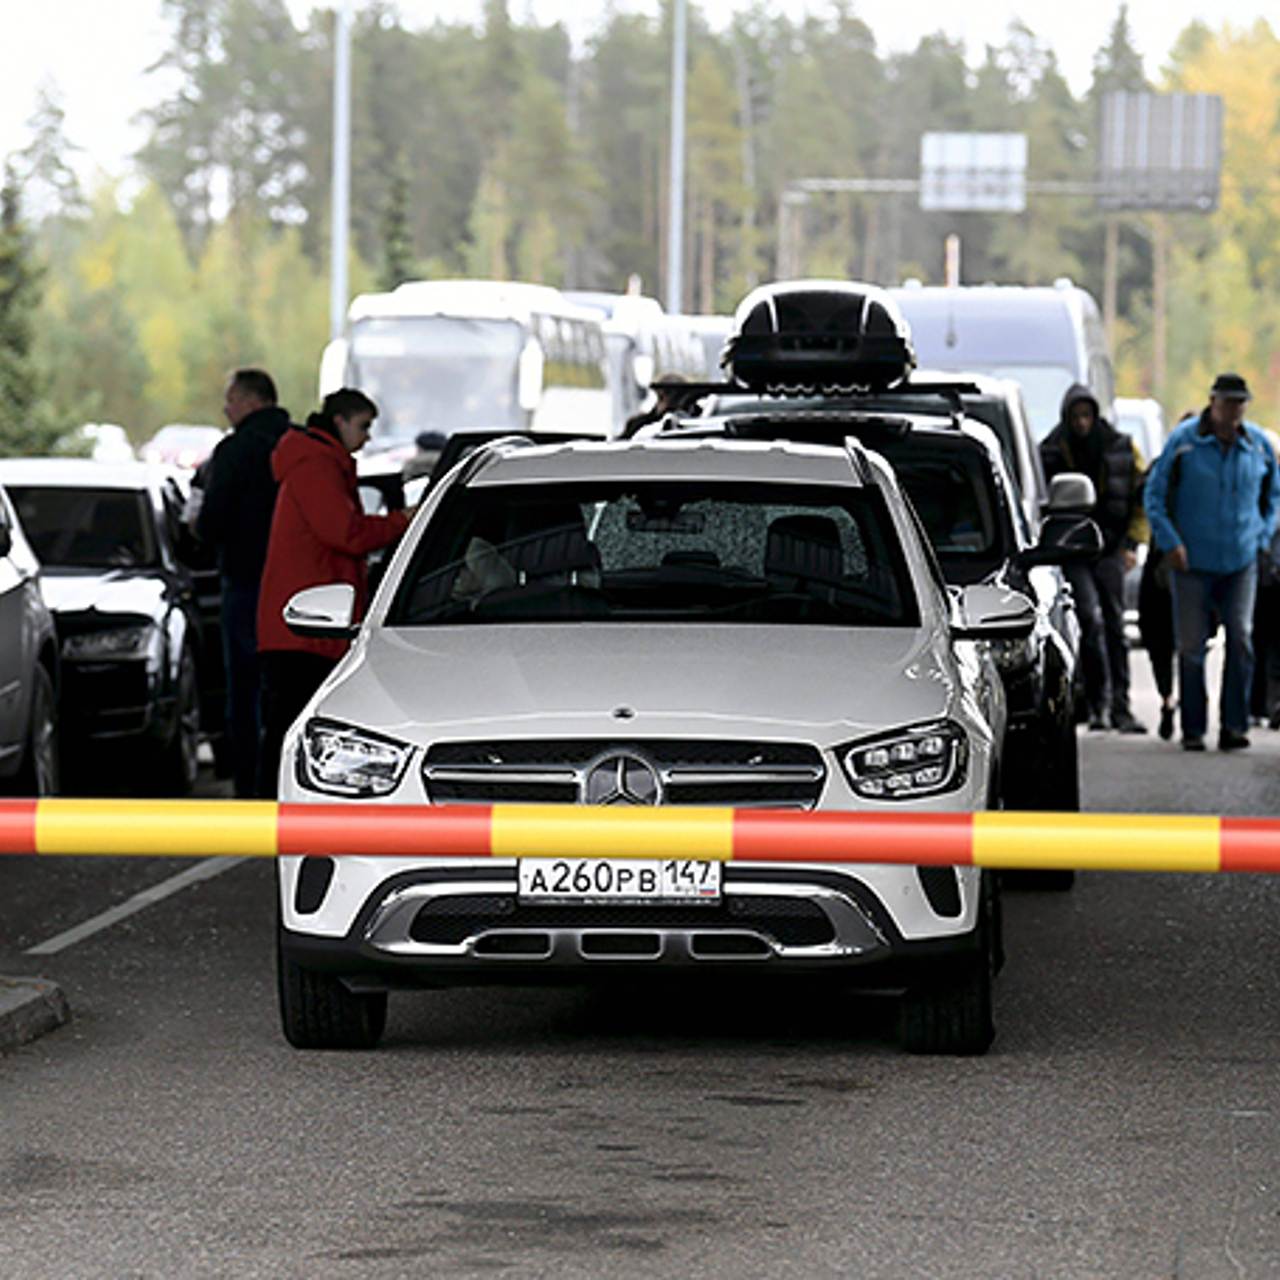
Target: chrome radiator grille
{"x": 732, "y": 773}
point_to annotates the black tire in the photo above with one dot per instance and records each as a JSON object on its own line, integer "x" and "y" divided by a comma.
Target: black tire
{"x": 318, "y": 1012}
{"x": 178, "y": 759}
{"x": 39, "y": 774}
{"x": 951, "y": 1012}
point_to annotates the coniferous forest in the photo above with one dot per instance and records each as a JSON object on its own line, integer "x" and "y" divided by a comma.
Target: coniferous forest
{"x": 500, "y": 150}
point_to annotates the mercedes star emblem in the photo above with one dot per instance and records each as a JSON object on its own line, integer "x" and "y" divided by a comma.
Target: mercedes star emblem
{"x": 622, "y": 778}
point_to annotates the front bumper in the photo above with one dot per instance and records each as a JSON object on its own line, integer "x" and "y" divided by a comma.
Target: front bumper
{"x": 113, "y": 700}
{"x": 464, "y": 926}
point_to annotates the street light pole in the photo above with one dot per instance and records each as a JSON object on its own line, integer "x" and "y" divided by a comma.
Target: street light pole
{"x": 341, "y": 207}
{"x": 675, "y": 208}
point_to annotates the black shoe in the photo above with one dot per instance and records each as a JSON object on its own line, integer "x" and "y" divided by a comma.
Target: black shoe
{"x": 1230, "y": 740}
{"x": 1274, "y": 722}
{"x": 1099, "y": 722}
{"x": 1166, "y": 722}
{"x": 1127, "y": 722}
{"x": 1191, "y": 743}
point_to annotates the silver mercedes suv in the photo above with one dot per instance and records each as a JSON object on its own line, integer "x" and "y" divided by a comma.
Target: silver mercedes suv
{"x": 713, "y": 624}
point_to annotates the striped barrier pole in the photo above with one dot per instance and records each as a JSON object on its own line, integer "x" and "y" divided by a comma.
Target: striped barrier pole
{"x": 262, "y": 828}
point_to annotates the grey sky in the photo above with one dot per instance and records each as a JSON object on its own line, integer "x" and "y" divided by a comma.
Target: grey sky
{"x": 94, "y": 53}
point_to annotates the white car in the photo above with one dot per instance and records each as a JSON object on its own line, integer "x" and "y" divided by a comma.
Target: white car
{"x": 711, "y": 622}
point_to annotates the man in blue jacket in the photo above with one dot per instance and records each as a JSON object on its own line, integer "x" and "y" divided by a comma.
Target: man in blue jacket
{"x": 1211, "y": 498}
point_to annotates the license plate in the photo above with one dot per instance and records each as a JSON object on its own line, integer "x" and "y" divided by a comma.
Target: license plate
{"x": 619, "y": 880}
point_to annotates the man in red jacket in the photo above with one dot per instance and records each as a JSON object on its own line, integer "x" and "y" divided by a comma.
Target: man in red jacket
{"x": 319, "y": 534}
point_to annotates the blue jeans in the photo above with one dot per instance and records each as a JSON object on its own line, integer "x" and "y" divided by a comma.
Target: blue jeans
{"x": 1199, "y": 599}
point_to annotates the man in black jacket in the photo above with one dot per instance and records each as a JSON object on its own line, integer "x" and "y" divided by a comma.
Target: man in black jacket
{"x": 1085, "y": 441}
{"x": 239, "y": 499}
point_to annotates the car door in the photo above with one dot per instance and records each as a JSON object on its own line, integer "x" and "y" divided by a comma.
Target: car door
{"x": 18, "y": 581}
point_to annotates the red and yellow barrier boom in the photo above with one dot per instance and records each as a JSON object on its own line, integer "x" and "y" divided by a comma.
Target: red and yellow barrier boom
{"x": 263, "y": 828}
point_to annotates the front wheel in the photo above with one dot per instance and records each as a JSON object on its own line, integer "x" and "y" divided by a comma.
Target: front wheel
{"x": 179, "y": 758}
{"x": 38, "y": 775}
{"x": 318, "y": 1012}
{"x": 952, "y": 1010}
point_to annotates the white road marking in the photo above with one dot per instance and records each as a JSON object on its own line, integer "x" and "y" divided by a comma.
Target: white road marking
{"x": 204, "y": 870}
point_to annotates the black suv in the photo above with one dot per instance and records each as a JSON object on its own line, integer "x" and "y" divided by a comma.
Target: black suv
{"x": 953, "y": 468}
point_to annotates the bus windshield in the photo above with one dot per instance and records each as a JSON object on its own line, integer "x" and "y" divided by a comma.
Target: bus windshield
{"x": 437, "y": 373}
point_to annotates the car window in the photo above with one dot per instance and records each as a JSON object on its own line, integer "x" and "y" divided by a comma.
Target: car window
{"x": 664, "y": 551}
{"x": 87, "y": 528}
{"x": 955, "y": 498}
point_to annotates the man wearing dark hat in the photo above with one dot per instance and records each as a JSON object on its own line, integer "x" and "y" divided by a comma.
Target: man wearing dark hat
{"x": 1212, "y": 497}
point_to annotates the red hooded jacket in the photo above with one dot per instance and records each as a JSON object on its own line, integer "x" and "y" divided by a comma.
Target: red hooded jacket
{"x": 319, "y": 534}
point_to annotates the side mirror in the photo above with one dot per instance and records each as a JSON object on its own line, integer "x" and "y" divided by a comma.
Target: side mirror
{"x": 993, "y": 613}
{"x": 323, "y": 613}
{"x": 643, "y": 369}
{"x": 1071, "y": 491}
{"x": 1065, "y": 538}
{"x": 529, "y": 384}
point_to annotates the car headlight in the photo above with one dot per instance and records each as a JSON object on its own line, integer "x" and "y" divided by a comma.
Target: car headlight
{"x": 906, "y": 764}
{"x": 343, "y": 761}
{"x": 116, "y": 644}
{"x": 1013, "y": 655}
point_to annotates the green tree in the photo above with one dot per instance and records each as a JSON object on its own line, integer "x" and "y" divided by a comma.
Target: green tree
{"x": 232, "y": 133}
{"x": 50, "y": 186}
{"x": 548, "y": 181}
{"x": 718, "y": 198}
{"x": 624, "y": 131}
{"x": 24, "y": 423}
{"x": 1117, "y": 66}
{"x": 397, "y": 233}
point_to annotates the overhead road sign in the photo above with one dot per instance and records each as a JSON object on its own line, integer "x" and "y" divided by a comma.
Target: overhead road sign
{"x": 973, "y": 172}
{"x": 1160, "y": 151}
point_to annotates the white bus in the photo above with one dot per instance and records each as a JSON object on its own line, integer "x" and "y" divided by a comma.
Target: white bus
{"x": 438, "y": 356}
{"x": 643, "y": 342}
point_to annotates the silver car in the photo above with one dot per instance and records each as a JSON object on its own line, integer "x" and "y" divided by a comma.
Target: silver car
{"x": 698, "y": 623}
{"x": 29, "y": 670}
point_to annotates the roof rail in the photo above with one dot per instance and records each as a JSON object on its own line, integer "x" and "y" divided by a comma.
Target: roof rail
{"x": 857, "y": 452}
{"x": 483, "y": 453}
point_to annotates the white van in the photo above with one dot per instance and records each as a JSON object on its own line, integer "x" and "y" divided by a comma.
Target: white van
{"x": 1044, "y": 338}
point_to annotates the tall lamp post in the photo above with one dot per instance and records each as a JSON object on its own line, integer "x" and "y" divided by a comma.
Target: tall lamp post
{"x": 341, "y": 208}
{"x": 675, "y": 209}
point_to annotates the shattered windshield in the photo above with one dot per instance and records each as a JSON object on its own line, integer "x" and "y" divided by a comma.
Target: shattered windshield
{"x": 627, "y": 551}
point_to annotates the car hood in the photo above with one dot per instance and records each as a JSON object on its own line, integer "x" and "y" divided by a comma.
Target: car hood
{"x": 821, "y": 683}
{"x": 114, "y": 591}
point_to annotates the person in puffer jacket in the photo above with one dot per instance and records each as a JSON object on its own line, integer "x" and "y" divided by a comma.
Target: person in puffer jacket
{"x": 1085, "y": 441}
{"x": 319, "y": 534}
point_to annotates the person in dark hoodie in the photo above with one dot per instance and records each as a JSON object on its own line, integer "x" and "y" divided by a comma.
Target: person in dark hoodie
{"x": 235, "y": 517}
{"x": 320, "y": 534}
{"x": 1085, "y": 441}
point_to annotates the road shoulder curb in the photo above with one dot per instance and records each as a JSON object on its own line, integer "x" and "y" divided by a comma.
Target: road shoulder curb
{"x": 29, "y": 1008}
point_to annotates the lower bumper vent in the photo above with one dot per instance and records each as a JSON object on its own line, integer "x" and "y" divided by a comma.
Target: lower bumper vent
{"x": 790, "y": 922}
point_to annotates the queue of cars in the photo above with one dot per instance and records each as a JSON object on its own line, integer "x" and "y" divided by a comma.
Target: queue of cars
{"x": 751, "y": 604}
{"x": 826, "y": 583}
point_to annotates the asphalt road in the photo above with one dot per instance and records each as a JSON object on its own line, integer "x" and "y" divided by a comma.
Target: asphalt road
{"x": 1123, "y": 1125}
